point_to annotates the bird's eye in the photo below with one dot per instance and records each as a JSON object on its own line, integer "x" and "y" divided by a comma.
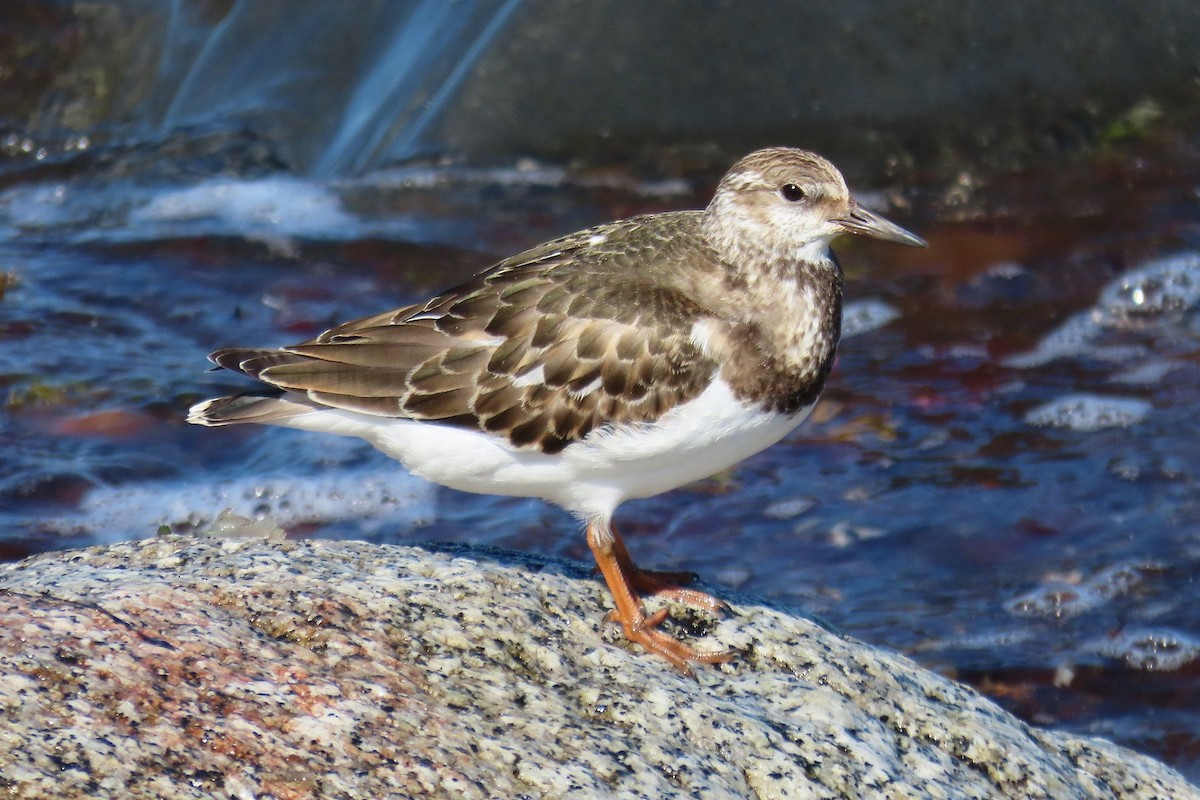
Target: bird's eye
{"x": 791, "y": 192}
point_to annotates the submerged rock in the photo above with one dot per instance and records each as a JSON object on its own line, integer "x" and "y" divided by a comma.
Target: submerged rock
{"x": 198, "y": 666}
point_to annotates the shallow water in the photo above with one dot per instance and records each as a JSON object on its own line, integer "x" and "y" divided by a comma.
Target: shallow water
{"x": 1000, "y": 480}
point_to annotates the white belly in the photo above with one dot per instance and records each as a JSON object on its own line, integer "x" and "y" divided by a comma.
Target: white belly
{"x": 590, "y": 477}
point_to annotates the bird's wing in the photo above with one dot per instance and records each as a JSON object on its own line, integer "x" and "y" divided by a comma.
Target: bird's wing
{"x": 540, "y": 350}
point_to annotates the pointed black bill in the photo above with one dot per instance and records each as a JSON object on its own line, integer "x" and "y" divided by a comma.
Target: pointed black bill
{"x": 868, "y": 223}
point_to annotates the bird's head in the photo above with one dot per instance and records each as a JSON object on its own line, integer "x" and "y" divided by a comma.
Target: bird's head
{"x": 789, "y": 204}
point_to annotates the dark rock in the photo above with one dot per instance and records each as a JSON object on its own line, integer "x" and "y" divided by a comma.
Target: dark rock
{"x": 339, "y": 89}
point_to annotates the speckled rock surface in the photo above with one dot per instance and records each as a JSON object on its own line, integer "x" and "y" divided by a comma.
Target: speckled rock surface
{"x": 206, "y": 667}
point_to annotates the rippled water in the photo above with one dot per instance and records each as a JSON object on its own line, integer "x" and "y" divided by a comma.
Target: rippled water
{"x": 1000, "y": 481}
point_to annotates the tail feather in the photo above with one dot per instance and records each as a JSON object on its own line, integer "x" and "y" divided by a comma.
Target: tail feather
{"x": 251, "y": 361}
{"x": 246, "y": 408}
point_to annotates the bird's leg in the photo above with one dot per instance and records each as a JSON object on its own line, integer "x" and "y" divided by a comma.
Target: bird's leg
{"x": 662, "y": 584}
{"x": 615, "y": 565}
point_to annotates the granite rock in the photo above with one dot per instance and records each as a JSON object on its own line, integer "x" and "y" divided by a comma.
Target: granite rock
{"x": 202, "y": 666}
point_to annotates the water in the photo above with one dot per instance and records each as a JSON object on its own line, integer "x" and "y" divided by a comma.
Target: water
{"x": 1000, "y": 481}
{"x": 344, "y": 90}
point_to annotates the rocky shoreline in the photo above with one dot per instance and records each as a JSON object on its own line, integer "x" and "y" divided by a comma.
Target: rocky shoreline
{"x": 194, "y": 666}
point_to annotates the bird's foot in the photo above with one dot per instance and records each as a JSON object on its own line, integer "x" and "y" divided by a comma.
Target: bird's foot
{"x": 667, "y": 585}
{"x": 625, "y": 581}
{"x": 644, "y": 630}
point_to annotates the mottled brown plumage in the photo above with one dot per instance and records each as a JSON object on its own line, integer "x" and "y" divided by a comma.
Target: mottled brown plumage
{"x": 616, "y": 362}
{"x": 609, "y": 330}
{"x": 541, "y": 349}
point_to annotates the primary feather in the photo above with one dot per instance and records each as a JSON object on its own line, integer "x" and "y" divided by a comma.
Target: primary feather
{"x": 517, "y": 352}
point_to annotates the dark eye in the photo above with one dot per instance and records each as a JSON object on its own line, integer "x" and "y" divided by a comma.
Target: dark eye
{"x": 791, "y": 192}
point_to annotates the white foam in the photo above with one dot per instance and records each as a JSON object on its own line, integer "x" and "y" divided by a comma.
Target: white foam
{"x": 276, "y": 205}
{"x": 789, "y": 508}
{"x": 39, "y": 206}
{"x": 1152, "y": 295}
{"x": 377, "y": 497}
{"x": 228, "y": 525}
{"x": 524, "y": 173}
{"x": 1149, "y": 373}
{"x": 1158, "y": 649}
{"x": 1089, "y": 412}
{"x": 1063, "y": 596}
{"x": 866, "y": 315}
{"x": 1073, "y": 337}
{"x": 1164, "y": 286}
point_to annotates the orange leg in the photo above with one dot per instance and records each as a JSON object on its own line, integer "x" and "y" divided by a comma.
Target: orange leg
{"x": 623, "y": 578}
{"x": 662, "y": 584}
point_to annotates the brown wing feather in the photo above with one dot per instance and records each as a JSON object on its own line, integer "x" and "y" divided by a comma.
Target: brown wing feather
{"x": 541, "y": 349}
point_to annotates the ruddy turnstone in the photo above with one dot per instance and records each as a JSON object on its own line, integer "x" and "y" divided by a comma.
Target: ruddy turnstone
{"x": 613, "y": 363}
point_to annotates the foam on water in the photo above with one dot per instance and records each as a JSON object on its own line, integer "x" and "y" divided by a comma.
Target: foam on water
{"x": 376, "y": 497}
{"x": 228, "y": 525}
{"x": 789, "y": 508}
{"x": 1148, "y": 373}
{"x": 1062, "y": 596}
{"x": 1089, "y": 412}
{"x": 279, "y": 209}
{"x": 1162, "y": 287}
{"x": 866, "y": 315}
{"x": 269, "y": 208}
{"x": 1153, "y": 295}
{"x": 524, "y": 173}
{"x": 1159, "y": 650}
{"x": 277, "y": 205}
{"x": 36, "y": 207}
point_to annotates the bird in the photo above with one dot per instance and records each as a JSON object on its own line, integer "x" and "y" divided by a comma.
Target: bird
{"x": 615, "y": 363}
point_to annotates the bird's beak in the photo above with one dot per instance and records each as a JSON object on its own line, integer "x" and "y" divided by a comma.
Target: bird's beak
{"x": 868, "y": 223}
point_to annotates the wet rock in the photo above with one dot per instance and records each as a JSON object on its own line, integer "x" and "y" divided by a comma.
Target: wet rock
{"x": 860, "y": 81}
{"x": 198, "y": 666}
